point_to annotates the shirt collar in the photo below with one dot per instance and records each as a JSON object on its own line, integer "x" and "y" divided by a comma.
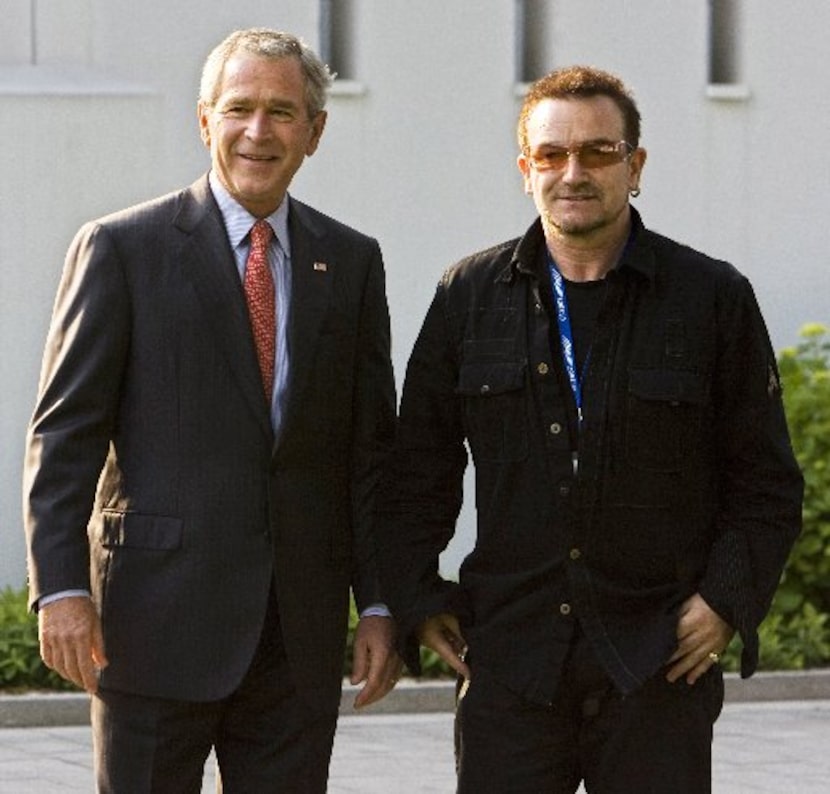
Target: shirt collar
{"x": 238, "y": 221}
{"x": 636, "y": 255}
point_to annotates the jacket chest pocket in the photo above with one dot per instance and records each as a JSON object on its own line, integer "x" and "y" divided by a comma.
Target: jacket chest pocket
{"x": 664, "y": 417}
{"x": 495, "y": 409}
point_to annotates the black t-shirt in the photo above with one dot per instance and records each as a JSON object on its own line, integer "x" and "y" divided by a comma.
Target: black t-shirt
{"x": 584, "y": 302}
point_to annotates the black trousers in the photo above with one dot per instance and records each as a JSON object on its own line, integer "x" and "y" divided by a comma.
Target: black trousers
{"x": 657, "y": 740}
{"x": 266, "y": 739}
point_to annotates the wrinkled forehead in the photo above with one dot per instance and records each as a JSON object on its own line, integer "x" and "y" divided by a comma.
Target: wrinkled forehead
{"x": 246, "y": 71}
{"x": 575, "y": 120}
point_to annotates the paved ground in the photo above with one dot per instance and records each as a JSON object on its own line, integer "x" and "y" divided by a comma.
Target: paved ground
{"x": 760, "y": 748}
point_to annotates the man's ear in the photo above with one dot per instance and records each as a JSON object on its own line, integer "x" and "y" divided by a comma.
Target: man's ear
{"x": 318, "y": 124}
{"x": 524, "y": 168}
{"x": 635, "y": 168}
{"x": 203, "y": 114}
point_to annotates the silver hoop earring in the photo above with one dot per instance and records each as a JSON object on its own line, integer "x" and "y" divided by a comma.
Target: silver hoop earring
{"x": 634, "y": 192}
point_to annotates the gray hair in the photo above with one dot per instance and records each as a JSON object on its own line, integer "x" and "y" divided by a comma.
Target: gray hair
{"x": 272, "y": 44}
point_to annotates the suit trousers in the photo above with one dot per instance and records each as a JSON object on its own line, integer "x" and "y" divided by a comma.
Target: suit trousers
{"x": 265, "y": 737}
{"x": 655, "y": 740}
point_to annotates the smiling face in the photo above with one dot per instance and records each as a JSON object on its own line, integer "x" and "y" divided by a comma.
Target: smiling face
{"x": 579, "y": 203}
{"x": 258, "y": 130}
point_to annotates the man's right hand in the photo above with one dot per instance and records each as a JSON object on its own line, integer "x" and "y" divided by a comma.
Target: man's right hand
{"x": 71, "y": 640}
{"x": 442, "y": 634}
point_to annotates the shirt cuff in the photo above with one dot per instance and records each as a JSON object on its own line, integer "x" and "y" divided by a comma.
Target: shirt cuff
{"x": 61, "y": 594}
{"x": 376, "y": 611}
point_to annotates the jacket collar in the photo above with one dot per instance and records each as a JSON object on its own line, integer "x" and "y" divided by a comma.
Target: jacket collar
{"x": 637, "y": 255}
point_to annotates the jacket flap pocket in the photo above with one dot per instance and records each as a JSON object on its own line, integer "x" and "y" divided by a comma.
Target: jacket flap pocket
{"x": 488, "y": 378}
{"x": 666, "y": 385}
{"x": 140, "y": 531}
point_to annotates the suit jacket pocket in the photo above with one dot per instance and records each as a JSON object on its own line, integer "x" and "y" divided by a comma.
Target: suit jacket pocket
{"x": 120, "y": 529}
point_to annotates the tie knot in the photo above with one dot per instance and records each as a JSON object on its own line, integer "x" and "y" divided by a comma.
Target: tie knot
{"x": 261, "y": 233}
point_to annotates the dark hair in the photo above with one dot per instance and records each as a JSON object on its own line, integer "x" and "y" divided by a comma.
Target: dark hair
{"x": 578, "y": 82}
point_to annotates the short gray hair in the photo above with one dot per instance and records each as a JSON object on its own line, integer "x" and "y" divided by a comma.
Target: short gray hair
{"x": 272, "y": 44}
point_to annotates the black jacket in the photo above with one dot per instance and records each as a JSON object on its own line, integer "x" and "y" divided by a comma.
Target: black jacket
{"x": 686, "y": 479}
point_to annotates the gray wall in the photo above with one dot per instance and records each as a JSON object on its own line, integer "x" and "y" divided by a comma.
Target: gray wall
{"x": 98, "y": 112}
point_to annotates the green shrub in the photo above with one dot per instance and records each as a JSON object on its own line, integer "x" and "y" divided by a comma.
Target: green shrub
{"x": 805, "y": 372}
{"x": 796, "y": 632}
{"x": 20, "y": 663}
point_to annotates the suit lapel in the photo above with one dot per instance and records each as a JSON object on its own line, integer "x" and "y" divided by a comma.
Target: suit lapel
{"x": 312, "y": 277}
{"x": 208, "y": 262}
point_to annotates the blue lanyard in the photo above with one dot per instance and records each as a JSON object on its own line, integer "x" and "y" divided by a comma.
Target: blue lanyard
{"x": 566, "y": 339}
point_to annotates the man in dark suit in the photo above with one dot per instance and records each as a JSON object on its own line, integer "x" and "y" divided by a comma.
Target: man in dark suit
{"x": 202, "y": 458}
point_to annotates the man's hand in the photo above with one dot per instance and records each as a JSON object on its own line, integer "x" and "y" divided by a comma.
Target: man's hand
{"x": 375, "y": 660}
{"x": 71, "y": 641}
{"x": 442, "y": 635}
{"x": 700, "y": 632}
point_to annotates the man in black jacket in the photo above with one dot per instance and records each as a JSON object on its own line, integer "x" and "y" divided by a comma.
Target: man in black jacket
{"x": 636, "y": 490}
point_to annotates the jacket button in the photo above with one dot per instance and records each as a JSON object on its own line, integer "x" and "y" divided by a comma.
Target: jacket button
{"x": 564, "y": 488}
{"x": 555, "y": 429}
{"x": 575, "y": 554}
{"x": 565, "y": 609}
{"x": 485, "y": 389}
{"x": 542, "y": 368}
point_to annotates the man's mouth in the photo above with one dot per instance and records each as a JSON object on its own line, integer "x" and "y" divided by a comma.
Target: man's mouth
{"x": 258, "y": 158}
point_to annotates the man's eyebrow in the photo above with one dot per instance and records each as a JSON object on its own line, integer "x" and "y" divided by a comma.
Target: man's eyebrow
{"x": 587, "y": 142}
{"x": 234, "y": 99}
{"x": 249, "y": 101}
{"x": 282, "y": 103}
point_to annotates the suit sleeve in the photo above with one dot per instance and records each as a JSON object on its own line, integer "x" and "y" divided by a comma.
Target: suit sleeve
{"x": 69, "y": 433}
{"x": 422, "y": 488}
{"x": 374, "y": 416}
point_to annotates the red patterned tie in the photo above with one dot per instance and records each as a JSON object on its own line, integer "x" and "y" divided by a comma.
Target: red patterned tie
{"x": 259, "y": 291}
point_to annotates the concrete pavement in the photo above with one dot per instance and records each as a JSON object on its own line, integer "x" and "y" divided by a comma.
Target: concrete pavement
{"x": 773, "y": 743}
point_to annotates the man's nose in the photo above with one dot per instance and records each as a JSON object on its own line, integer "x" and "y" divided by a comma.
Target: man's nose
{"x": 573, "y": 170}
{"x": 259, "y": 125}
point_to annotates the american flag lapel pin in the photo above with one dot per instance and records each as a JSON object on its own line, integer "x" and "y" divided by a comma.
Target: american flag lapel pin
{"x": 321, "y": 267}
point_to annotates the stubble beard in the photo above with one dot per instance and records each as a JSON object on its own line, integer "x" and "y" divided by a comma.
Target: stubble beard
{"x": 577, "y": 228}
{"x": 570, "y": 228}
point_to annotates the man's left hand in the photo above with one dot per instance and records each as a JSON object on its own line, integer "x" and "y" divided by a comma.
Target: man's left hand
{"x": 375, "y": 660}
{"x": 702, "y": 636}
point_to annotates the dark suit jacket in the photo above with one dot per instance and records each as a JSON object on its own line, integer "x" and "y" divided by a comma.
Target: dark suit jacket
{"x": 151, "y": 462}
